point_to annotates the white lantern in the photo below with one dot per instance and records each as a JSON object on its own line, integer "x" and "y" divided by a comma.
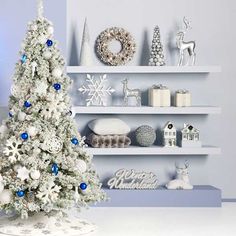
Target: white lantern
{"x": 5, "y": 197}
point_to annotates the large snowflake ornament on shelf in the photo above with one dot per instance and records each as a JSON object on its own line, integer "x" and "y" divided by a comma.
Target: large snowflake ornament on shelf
{"x": 48, "y": 193}
{"x": 13, "y": 150}
{"x": 96, "y": 90}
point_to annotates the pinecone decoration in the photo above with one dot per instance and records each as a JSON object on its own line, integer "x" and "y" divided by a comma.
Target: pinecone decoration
{"x": 157, "y": 55}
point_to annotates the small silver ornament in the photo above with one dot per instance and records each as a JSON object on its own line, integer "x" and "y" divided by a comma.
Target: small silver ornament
{"x": 53, "y": 144}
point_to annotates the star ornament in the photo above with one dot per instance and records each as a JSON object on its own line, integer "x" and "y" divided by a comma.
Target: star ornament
{"x": 23, "y": 173}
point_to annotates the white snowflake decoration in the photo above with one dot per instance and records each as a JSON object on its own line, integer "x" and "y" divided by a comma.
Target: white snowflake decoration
{"x": 96, "y": 90}
{"x": 13, "y": 150}
{"x": 53, "y": 144}
{"x": 41, "y": 88}
{"x": 48, "y": 192}
{"x": 23, "y": 173}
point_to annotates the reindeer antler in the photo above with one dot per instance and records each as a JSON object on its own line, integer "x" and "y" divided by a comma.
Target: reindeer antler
{"x": 187, "y": 23}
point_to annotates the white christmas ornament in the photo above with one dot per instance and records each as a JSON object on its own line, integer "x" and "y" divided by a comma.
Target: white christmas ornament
{"x": 53, "y": 144}
{"x": 81, "y": 166}
{"x": 77, "y": 197}
{"x": 35, "y": 174}
{"x": 41, "y": 88}
{"x": 50, "y": 30}
{"x": 96, "y": 90}
{"x": 13, "y": 150}
{"x": 32, "y": 131}
{"x": 47, "y": 55}
{"x": 86, "y": 52}
{"x": 42, "y": 39}
{"x": 17, "y": 167}
{"x": 23, "y": 173}
{"x": 21, "y": 116}
{"x": 57, "y": 72}
{"x": 5, "y": 197}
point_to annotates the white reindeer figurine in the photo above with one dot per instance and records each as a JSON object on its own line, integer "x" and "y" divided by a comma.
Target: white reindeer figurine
{"x": 185, "y": 46}
{"x": 131, "y": 93}
{"x": 182, "y": 179}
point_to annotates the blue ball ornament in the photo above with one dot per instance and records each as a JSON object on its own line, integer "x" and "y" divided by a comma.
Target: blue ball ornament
{"x": 10, "y": 114}
{"x": 55, "y": 169}
{"x": 23, "y": 58}
{"x": 83, "y": 186}
{"x": 27, "y": 104}
{"x": 20, "y": 193}
{"x": 57, "y": 86}
{"x": 24, "y": 136}
{"x": 49, "y": 43}
{"x": 75, "y": 141}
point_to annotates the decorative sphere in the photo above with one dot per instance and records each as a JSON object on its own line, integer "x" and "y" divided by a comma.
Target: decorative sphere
{"x": 42, "y": 39}
{"x": 1, "y": 187}
{"x": 24, "y": 136}
{"x": 81, "y": 166}
{"x": 55, "y": 169}
{"x": 21, "y": 116}
{"x": 49, "y": 43}
{"x": 16, "y": 167}
{"x": 27, "y": 104}
{"x": 10, "y": 114}
{"x": 50, "y": 30}
{"x": 5, "y": 197}
{"x": 57, "y": 86}
{"x": 32, "y": 131}
{"x": 23, "y": 58}
{"x": 35, "y": 174}
{"x": 20, "y": 193}
{"x": 57, "y": 72}
{"x": 47, "y": 55}
{"x": 145, "y": 135}
{"x": 75, "y": 141}
{"x": 83, "y": 186}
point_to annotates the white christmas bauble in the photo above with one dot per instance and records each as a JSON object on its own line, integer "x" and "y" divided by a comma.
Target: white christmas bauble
{"x": 42, "y": 39}
{"x": 57, "y": 72}
{"x": 16, "y": 167}
{"x": 47, "y": 55}
{"x": 5, "y": 197}
{"x": 50, "y": 30}
{"x": 35, "y": 174}
{"x": 81, "y": 166}
{"x": 21, "y": 116}
{"x": 1, "y": 187}
{"x": 32, "y": 131}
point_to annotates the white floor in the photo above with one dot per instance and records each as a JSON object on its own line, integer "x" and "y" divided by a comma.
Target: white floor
{"x": 163, "y": 221}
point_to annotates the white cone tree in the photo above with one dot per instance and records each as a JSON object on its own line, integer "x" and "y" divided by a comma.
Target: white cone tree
{"x": 43, "y": 163}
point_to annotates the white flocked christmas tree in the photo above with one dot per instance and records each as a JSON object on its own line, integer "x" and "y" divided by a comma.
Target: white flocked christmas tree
{"x": 157, "y": 55}
{"x": 44, "y": 165}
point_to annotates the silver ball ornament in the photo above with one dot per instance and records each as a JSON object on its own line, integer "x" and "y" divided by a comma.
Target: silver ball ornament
{"x": 145, "y": 135}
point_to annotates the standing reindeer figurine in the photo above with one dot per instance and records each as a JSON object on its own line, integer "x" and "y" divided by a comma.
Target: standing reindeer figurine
{"x": 131, "y": 93}
{"x": 182, "y": 178}
{"x": 185, "y": 46}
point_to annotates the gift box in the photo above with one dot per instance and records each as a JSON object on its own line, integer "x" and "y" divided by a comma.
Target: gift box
{"x": 182, "y": 98}
{"x": 159, "y": 96}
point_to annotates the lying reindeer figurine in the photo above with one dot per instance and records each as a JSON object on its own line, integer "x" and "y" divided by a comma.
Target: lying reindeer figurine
{"x": 182, "y": 178}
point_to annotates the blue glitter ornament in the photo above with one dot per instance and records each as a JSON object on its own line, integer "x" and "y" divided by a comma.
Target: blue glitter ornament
{"x": 24, "y": 136}
{"x": 20, "y": 193}
{"x": 83, "y": 186}
{"x": 55, "y": 169}
{"x": 75, "y": 141}
{"x": 27, "y": 104}
{"x": 49, "y": 43}
{"x": 23, "y": 58}
{"x": 57, "y": 86}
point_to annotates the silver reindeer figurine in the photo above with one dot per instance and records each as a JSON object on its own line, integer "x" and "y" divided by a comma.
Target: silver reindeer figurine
{"x": 131, "y": 93}
{"x": 185, "y": 46}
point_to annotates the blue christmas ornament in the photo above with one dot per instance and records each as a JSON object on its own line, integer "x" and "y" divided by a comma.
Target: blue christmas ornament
{"x": 27, "y": 104}
{"x": 23, "y": 58}
{"x": 49, "y": 43}
{"x": 24, "y": 136}
{"x": 57, "y": 86}
{"x": 20, "y": 193}
{"x": 55, "y": 169}
{"x": 10, "y": 114}
{"x": 83, "y": 186}
{"x": 75, "y": 141}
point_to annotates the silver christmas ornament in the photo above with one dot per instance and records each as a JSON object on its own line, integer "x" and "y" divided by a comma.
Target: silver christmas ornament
{"x": 145, "y": 136}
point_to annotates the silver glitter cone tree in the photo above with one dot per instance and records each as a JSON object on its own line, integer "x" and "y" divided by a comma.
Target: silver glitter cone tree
{"x": 157, "y": 54}
{"x": 44, "y": 165}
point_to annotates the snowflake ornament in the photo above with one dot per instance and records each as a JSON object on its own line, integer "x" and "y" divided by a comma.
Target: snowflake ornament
{"x": 13, "y": 150}
{"x": 23, "y": 173}
{"x": 41, "y": 88}
{"x": 48, "y": 193}
{"x": 96, "y": 90}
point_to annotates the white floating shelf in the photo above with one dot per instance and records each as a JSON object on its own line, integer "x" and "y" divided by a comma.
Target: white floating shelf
{"x": 154, "y": 151}
{"x": 143, "y": 69}
{"x": 195, "y": 110}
